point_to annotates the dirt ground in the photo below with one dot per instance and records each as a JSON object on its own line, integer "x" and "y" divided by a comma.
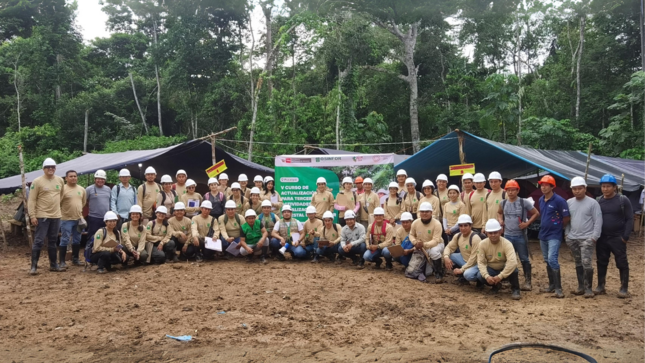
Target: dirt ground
{"x": 297, "y": 311}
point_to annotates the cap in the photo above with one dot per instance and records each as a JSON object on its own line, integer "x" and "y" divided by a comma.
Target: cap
{"x": 378, "y": 211}
{"x": 442, "y": 177}
{"x": 401, "y": 172}
{"x": 49, "y": 162}
{"x": 454, "y": 187}
{"x": 100, "y": 174}
{"x": 425, "y": 207}
{"x": 150, "y": 170}
{"x": 266, "y": 203}
{"x": 136, "y": 209}
{"x": 110, "y": 216}
{"x": 180, "y": 206}
{"x": 166, "y": 179}
{"x": 464, "y": 218}
{"x": 479, "y": 178}
{"x": 406, "y": 216}
{"x": 493, "y": 225}
{"x": 347, "y": 180}
{"x": 181, "y": 171}
{"x": 207, "y": 204}
{"x": 242, "y": 177}
{"x": 467, "y": 176}
{"x": 255, "y": 190}
{"x": 235, "y": 185}
{"x": 428, "y": 183}
{"x": 230, "y": 205}
{"x": 358, "y": 179}
{"x": 368, "y": 181}
{"x": 212, "y": 180}
{"x": 393, "y": 185}
{"x": 190, "y": 183}
{"x": 223, "y": 176}
{"x": 286, "y": 207}
{"x": 258, "y": 178}
{"x": 327, "y": 215}
{"x": 577, "y": 182}
{"x": 321, "y": 180}
{"x": 250, "y": 213}
{"x": 495, "y": 175}
{"x": 311, "y": 209}
{"x": 349, "y": 215}
{"x": 161, "y": 209}
{"x": 124, "y": 172}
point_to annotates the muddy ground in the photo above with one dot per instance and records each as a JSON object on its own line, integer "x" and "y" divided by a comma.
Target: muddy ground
{"x": 297, "y": 311}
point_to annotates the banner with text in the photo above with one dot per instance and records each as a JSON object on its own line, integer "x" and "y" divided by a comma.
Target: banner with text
{"x": 296, "y": 175}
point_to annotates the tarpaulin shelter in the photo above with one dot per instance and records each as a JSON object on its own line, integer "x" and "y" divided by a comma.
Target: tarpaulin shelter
{"x": 193, "y": 156}
{"x": 513, "y": 161}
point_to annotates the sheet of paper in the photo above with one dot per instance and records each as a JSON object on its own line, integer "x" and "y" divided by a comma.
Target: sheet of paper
{"x": 295, "y": 236}
{"x": 215, "y": 245}
{"x": 232, "y": 250}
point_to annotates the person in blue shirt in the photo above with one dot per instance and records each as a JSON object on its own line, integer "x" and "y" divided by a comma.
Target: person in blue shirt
{"x": 123, "y": 197}
{"x": 554, "y": 213}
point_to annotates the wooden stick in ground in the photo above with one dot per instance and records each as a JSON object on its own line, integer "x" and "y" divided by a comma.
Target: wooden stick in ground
{"x": 24, "y": 197}
{"x": 588, "y": 160}
{"x": 4, "y": 236}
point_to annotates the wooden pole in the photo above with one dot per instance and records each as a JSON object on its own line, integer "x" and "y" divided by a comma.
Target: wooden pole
{"x": 462, "y": 156}
{"x": 588, "y": 160}
{"x": 622, "y": 180}
{"x": 24, "y": 197}
{"x": 4, "y": 236}
{"x": 213, "y": 150}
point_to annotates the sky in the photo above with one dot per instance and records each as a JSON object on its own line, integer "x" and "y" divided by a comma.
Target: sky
{"x": 91, "y": 19}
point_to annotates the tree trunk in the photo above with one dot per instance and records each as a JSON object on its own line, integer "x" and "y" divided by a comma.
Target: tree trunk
{"x": 341, "y": 77}
{"x": 87, "y": 113}
{"x": 136, "y": 99}
{"x": 519, "y": 84}
{"x": 266, "y": 9}
{"x": 583, "y": 22}
{"x": 24, "y": 196}
{"x": 15, "y": 84}
{"x": 412, "y": 79}
{"x": 158, "y": 82}
{"x": 254, "y": 97}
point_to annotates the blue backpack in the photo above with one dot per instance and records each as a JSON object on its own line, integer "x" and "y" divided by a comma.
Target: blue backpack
{"x": 90, "y": 246}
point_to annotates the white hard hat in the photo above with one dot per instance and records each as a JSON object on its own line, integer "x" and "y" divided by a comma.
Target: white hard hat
{"x": 425, "y": 207}
{"x": 255, "y": 190}
{"x": 100, "y": 174}
{"x": 378, "y": 211}
{"x": 393, "y": 185}
{"x": 321, "y": 180}
{"x": 578, "y": 182}
{"x": 230, "y": 205}
{"x": 190, "y": 183}
{"x": 401, "y": 172}
{"x": 350, "y": 214}
{"x": 250, "y": 213}
{"x": 150, "y": 170}
{"x": 454, "y": 187}
{"x": 328, "y": 214}
{"x": 268, "y": 179}
{"x": 258, "y": 178}
{"x": 223, "y": 176}
{"x": 181, "y": 171}
{"x": 136, "y": 209}
{"x": 162, "y": 209}
{"x": 310, "y": 209}
{"x": 266, "y": 203}
{"x": 212, "y": 180}
{"x": 442, "y": 177}
{"x": 348, "y": 180}
{"x": 207, "y": 204}
{"x": 493, "y": 225}
{"x": 479, "y": 178}
{"x": 180, "y": 206}
{"x": 124, "y": 172}
{"x": 286, "y": 207}
{"x": 464, "y": 218}
{"x": 406, "y": 216}
{"x": 467, "y": 176}
{"x": 428, "y": 183}
{"x": 166, "y": 179}
{"x": 235, "y": 185}
{"x": 495, "y": 175}
{"x": 242, "y": 177}
{"x": 49, "y": 162}
{"x": 410, "y": 180}
{"x": 368, "y": 181}
{"x": 110, "y": 216}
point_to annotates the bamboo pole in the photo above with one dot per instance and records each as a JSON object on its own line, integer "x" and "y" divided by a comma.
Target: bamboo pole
{"x": 588, "y": 160}
{"x": 213, "y": 150}
{"x": 24, "y": 198}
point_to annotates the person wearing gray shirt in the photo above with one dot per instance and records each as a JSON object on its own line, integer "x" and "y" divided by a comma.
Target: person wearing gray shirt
{"x": 98, "y": 202}
{"x": 123, "y": 197}
{"x": 352, "y": 239}
{"x": 582, "y": 233}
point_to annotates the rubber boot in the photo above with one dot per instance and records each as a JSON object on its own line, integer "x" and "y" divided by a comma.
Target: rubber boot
{"x": 588, "y": 280}
{"x": 35, "y": 256}
{"x": 581, "y": 281}
{"x": 361, "y": 264}
{"x": 377, "y": 263}
{"x": 526, "y": 267}
{"x": 53, "y": 266}
{"x": 62, "y": 252}
{"x": 514, "y": 279}
{"x": 551, "y": 287}
{"x": 602, "y": 275}
{"x": 332, "y": 257}
{"x": 315, "y": 260}
{"x": 496, "y": 288}
{"x": 624, "y": 282}
{"x": 438, "y": 271}
{"x": 558, "y": 284}
{"x": 75, "y": 250}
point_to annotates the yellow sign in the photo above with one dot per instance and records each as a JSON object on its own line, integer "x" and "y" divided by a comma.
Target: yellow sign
{"x": 459, "y": 170}
{"x": 216, "y": 169}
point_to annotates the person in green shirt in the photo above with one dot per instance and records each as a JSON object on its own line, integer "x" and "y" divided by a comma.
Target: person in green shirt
{"x": 253, "y": 238}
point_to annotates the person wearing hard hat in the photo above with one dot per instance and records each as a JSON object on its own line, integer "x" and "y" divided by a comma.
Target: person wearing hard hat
{"x": 254, "y": 202}
{"x": 378, "y": 235}
{"x": 476, "y": 203}
{"x": 258, "y": 181}
{"x": 392, "y": 205}
{"x": 288, "y": 230}
{"x": 411, "y": 197}
{"x": 516, "y": 215}
{"x": 268, "y": 219}
{"x": 401, "y": 238}
{"x": 554, "y": 217}
{"x": 464, "y": 262}
{"x": 322, "y": 198}
{"x": 442, "y": 191}
{"x": 617, "y": 224}
{"x": 103, "y": 255}
{"x": 71, "y": 208}
{"x": 157, "y": 234}
{"x": 179, "y": 229}
{"x": 230, "y": 225}
{"x": 582, "y": 233}
{"x": 122, "y": 197}
{"x": 495, "y": 196}
{"x": 167, "y": 196}
{"x": 425, "y": 235}
{"x": 133, "y": 235}
{"x": 467, "y": 185}
{"x": 329, "y": 238}
{"x": 180, "y": 186}
{"x": 243, "y": 180}
{"x": 238, "y": 197}
{"x": 253, "y": 238}
{"x": 271, "y": 195}
{"x": 358, "y": 182}
{"x": 98, "y": 202}
{"x": 369, "y": 201}
{"x": 496, "y": 260}
{"x": 352, "y": 240}
{"x": 223, "y": 185}
{"x": 451, "y": 212}
{"x": 201, "y": 226}
{"x": 191, "y": 199}
{"x": 401, "y": 176}
{"x": 43, "y": 205}
{"x": 346, "y": 200}
{"x": 313, "y": 226}
{"x": 430, "y": 197}
{"x": 147, "y": 194}
{"x": 217, "y": 198}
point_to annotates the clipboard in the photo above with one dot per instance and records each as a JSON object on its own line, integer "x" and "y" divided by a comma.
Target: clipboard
{"x": 396, "y": 251}
{"x": 110, "y": 244}
{"x": 215, "y": 245}
{"x": 323, "y": 243}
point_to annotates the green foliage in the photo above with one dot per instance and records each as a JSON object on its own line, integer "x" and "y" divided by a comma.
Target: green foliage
{"x": 142, "y": 143}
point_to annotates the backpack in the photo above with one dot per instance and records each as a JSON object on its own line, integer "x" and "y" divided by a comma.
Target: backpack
{"x": 163, "y": 196}
{"x": 218, "y": 208}
{"x": 398, "y": 200}
{"x": 237, "y": 219}
{"x": 503, "y": 195}
{"x": 622, "y": 203}
{"x": 521, "y": 204}
{"x": 154, "y": 205}
{"x": 418, "y": 195}
{"x": 210, "y": 230}
{"x": 335, "y": 228}
{"x": 87, "y": 254}
{"x": 470, "y": 240}
{"x": 383, "y": 226}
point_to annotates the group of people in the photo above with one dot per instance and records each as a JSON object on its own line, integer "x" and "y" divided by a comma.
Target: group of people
{"x": 477, "y": 233}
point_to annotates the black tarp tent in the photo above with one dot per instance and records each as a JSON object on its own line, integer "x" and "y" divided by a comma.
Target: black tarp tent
{"x": 513, "y": 161}
{"x": 193, "y": 156}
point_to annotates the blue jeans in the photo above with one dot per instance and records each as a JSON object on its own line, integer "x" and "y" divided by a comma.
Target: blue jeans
{"x": 521, "y": 247}
{"x": 550, "y": 250}
{"x": 326, "y": 251}
{"x": 491, "y": 272}
{"x": 301, "y": 252}
{"x": 68, "y": 232}
{"x": 275, "y": 246}
{"x": 372, "y": 256}
{"x": 457, "y": 259}
{"x": 355, "y": 251}
{"x": 472, "y": 273}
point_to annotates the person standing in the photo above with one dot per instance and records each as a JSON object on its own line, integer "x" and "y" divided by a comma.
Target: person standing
{"x": 258, "y": 181}
{"x": 476, "y": 203}
{"x": 392, "y": 205}
{"x": 411, "y": 198}
{"x": 217, "y": 199}
{"x": 122, "y": 198}
{"x": 617, "y": 224}
{"x": 554, "y": 217}
{"x": 452, "y": 210}
{"x": 223, "y": 185}
{"x": 582, "y": 234}
{"x": 495, "y": 196}
{"x": 237, "y": 196}
{"x": 430, "y": 197}
{"x": 71, "y": 207}
{"x": 43, "y": 206}
{"x": 271, "y": 195}
{"x": 191, "y": 200}
{"x": 442, "y": 192}
{"x": 369, "y": 201}
{"x": 346, "y": 200}
{"x": 352, "y": 240}
{"x": 254, "y": 202}
{"x": 98, "y": 201}
{"x": 358, "y": 182}
{"x": 147, "y": 194}
{"x": 180, "y": 186}
{"x": 167, "y": 197}
{"x": 401, "y": 175}
{"x": 243, "y": 181}
{"x": 322, "y": 198}
{"x": 467, "y": 184}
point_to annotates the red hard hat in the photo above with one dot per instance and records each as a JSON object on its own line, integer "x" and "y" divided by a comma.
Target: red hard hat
{"x": 511, "y": 184}
{"x": 547, "y": 179}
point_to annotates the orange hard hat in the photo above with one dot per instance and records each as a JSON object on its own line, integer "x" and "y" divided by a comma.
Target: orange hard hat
{"x": 547, "y": 179}
{"x": 511, "y": 184}
{"x": 358, "y": 180}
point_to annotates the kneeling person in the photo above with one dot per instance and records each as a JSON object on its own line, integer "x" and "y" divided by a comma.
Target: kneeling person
{"x": 378, "y": 236}
{"x": 179, "y": 231}
{"x": 463, "y": 262}
{"x": 425, "y": 235}
{"x": 157, "y": 235}
{"x": 107, "y": 248}
{"x": 253, "y": 239}
{"x": 496, "y": 260}
{"x": 283, "y": 232}
{"x": 230, "y": 225}
{"x": 134, "y": 235}
{"x": 402, "y": 238}
{"x": 352, "y": 240}
{"x": 202, "y": 225}
{"x": 329, "y": 238}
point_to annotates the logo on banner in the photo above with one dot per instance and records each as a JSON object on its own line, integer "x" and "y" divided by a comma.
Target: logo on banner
{"x": 376, "y": 158}
{"x": 357, "y": 158}
{"x": 289, "y": 180}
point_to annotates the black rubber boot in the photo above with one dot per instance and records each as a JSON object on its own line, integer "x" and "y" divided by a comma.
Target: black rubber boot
{"x": 53, "y": 266}
{"x": 602, "y": 275}
{"x": 35, "y": 256}
{"x": 624, "y": 284}
{"x": 558, "y": 285}
{"x": 62, "y": 252}
{"x": 315, "y": 260}
{"x": 361, "y": 264}
{"x": 581, "y": 281}
{"x": 388, "y": 265}
{"x": 332, "y": 257}
{"x": 526, "y": 267}
{"x": 377, "y": 263}
{"x": 496, "y": 288}
{"x": 588, "y": 280}
{"x": 265, "y": 254}
{"x": 514, "y": 279}
{"x": 438, "y": 271}
{"x": 551, "y": 287}
{"x": 75, "y": 250}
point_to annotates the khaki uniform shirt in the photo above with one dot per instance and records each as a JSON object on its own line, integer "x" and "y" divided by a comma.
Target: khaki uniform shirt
{"x": 452, "y": 211}
{"x": 392, "y": 209}
{"x": 316, "y": 226}
{"x": 196, "y": 199}
{"x": 436, "y": 205}
{"x": 382, "y": 240}
{"x": 368, "y": 204}
{"x": 231, "y": 228}
{"x": 200, "y": 226}
{"x": 176, "y": 227}
{"x": 132, "y": 238}
{"x": 476, "y": 204}
{"x": 147, "y": 201}
{"x": 157, "y": 234}
{"x": 468, "y": 252}
{"x": 500, "y": 256}
{"x": 72, "y": 203}
{"x": 429, "y": 234}
{"x": 44, "y": 197}
{"x": 493, "y": 201}
{"x": 323, "y": 202}
{"x": 346, "y": 200}
{"x": 331, "y": 234}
